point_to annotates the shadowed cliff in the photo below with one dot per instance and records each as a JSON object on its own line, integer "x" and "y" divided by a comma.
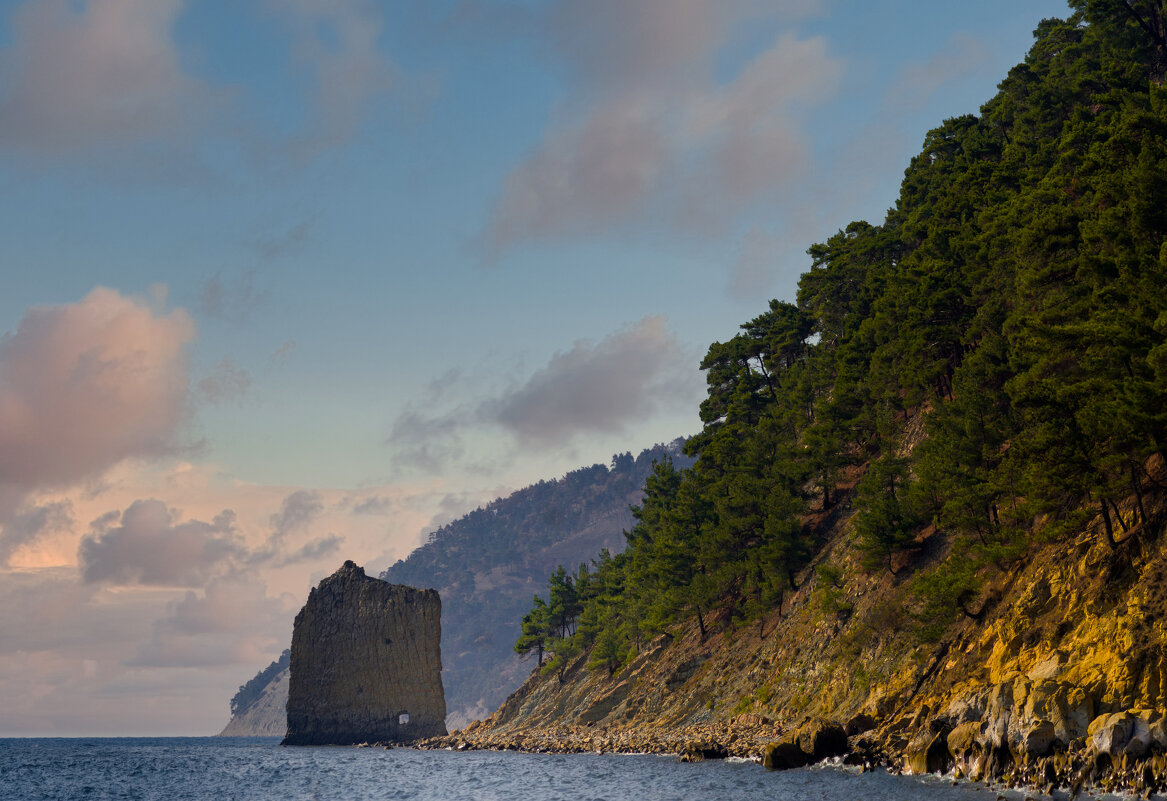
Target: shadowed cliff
{"x": 365, "y": 663}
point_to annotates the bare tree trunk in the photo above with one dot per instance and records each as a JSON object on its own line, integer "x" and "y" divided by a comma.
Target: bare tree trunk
{"x": 1109, "y": 530}
{"x": 1118, "y": 514}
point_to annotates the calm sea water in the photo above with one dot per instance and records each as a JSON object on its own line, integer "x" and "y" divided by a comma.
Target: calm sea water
{"x": 242, "y": 769}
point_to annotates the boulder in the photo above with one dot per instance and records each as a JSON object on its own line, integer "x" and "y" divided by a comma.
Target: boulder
{"x": 1068, "y": 707}
{"x": 1036, "y": 741}
{"x": 1109, "y": 733}
{"x": 1158, "y": 732}
{"x": 965, "y": 746}
{"x": 783, "y": 755}
{"x": 699, "y": 752}
{"x": 965, "y": 740}
{"x": 821, "y": 738}
{"x": 927, "y": 753}
{"x": 1142, "y": 737}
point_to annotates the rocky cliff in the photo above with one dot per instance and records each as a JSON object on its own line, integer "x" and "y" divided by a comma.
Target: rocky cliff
{"x": 1055, "y": 677}
{"x": 365, "y": 663}
{"x": 266, "y": 716}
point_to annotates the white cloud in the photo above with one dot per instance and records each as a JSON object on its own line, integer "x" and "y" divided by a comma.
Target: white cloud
{"x": 233, "y": 621}
{"x": 596, "y": 387}
{"x": 296, "y": 512}
{"x": 596, "y": 173}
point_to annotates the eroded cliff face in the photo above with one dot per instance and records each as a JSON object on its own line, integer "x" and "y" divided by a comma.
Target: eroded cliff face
{"x": 365, "y": 663}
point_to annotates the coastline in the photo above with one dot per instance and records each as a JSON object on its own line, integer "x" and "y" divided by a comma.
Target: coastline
{"x": 1079, "y": 768}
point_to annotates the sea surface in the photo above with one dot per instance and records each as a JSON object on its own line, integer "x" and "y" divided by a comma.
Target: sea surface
{"x": 242, "y": 769}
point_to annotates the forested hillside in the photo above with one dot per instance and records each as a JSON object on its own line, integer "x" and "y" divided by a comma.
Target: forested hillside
{"x": 488, "y": 564}
{"x": 980, "y": 375}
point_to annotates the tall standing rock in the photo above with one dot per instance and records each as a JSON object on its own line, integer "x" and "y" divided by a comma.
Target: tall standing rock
{"x": 366, "y": 663}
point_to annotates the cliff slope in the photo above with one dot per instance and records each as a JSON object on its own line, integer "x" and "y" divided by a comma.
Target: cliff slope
{"x": 488, "y": 564}
{"x": 1067, "y": 645}
{"x": 266, "y": 716}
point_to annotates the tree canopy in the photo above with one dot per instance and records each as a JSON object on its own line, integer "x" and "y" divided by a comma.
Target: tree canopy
{"x": 1014, "y": 299}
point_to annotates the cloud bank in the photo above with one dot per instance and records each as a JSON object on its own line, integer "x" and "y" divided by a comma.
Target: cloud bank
{"x": 148, "y": 547}
{"x": 594, "y": 388}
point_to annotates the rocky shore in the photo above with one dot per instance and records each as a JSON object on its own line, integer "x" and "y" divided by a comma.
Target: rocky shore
{"x": 742, "y": 738}
{"x": 1123, "y": 752}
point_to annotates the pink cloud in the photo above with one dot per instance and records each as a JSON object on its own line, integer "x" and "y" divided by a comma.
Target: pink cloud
{"x": 86, "y": 385}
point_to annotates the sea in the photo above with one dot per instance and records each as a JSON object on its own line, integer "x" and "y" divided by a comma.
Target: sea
{"x": 243, "y": 769}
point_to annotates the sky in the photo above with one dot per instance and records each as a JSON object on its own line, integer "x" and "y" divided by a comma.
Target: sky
{"x": 289, "y": 282}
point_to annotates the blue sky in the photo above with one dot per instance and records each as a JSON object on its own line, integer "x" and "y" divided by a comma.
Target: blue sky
{"x": 294, "y": 281}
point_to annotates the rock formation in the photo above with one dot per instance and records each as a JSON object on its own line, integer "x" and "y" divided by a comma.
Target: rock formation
{"x": 366, "y": 663}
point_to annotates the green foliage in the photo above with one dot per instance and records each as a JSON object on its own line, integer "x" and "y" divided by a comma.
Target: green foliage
{"x": 829, "y": 595}
{"x": 945, "y": 594}
{"x": 887, "y": 521}
{"x": 536, "y": 628}
{"x": 607, "y": 650}
{"x": 1014, "y": 300}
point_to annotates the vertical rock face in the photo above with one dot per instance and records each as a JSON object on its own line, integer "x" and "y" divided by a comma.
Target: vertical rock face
{"x": 366, "y": 663}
